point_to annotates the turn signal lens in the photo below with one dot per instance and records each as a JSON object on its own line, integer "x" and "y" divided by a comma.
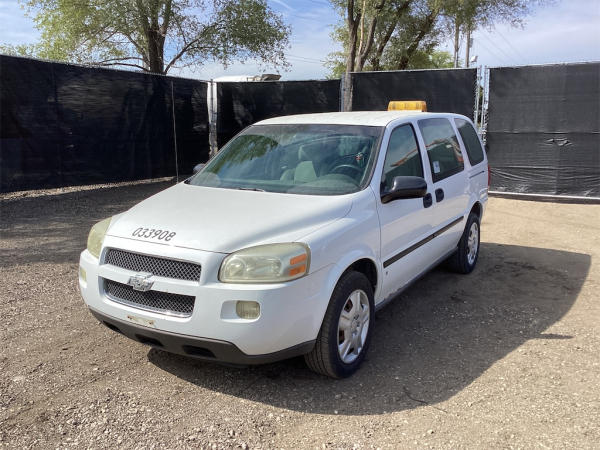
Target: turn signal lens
{"x": 298, "y": 259}
{"x": 298, "y": 270}
{"x": 82, "y": 273}
{"x": 247, "y": 310}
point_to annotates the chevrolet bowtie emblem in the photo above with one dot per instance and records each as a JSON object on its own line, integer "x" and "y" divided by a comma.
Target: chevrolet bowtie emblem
{"x": 141, "y": 282}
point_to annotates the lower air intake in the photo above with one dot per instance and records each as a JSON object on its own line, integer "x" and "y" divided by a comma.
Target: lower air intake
{"x": 156, "y": 301}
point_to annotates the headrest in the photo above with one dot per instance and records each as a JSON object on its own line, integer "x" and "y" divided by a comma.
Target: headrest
{"x": 318, "y": 150}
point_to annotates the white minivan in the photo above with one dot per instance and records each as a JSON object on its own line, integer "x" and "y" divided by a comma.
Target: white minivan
{"x": 291, "y": 237}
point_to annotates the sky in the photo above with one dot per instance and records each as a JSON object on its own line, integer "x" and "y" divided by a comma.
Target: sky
{"x": 564, "y": 31}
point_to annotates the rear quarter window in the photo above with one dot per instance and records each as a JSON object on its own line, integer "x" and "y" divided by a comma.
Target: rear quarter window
{"x": 471, "y": 141}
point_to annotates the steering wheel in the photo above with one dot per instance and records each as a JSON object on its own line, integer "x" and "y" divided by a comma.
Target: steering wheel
{"x": 349, "y": 170}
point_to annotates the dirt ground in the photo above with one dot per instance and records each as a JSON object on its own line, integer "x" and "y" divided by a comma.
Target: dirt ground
{"x": 507, "y": 357}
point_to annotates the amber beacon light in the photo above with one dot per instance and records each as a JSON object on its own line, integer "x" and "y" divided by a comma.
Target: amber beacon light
{"x": 408, "y": 105}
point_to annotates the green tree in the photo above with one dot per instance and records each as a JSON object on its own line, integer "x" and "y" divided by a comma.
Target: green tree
{"x": 403, "y": 34}
{"x": 389, "y": 35}
{"x": 428, "y": 58}
{"x": 17, "y": 50}
{"x": 157, "y": 35}
{"x": 416, "y": 33}
{"x": 370, "y": 25}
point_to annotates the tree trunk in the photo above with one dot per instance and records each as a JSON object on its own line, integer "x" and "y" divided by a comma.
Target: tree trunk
{"x": 376, "y": 63}
{"x": 347, "y": 92}
{"x": 366, "y": 41}
{"x": 148, "y": 16}
{"x": 376, "y": 59}
{"x": 347, "y": 100}
{"x": 456, "y": 41}
{"x": 398, "y": 13}
{"x": 412, "y": 48}
{"x": 352, "y": 23}
{"x": 468, "y": 47}
{"x": 156, "y": 51}
{"x": 365, "y": 47}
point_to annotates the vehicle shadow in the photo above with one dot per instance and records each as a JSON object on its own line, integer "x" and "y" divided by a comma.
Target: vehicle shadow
{"x": 431, "y": 342}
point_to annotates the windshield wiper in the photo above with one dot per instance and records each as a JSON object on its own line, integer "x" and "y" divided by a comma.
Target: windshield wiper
{"x": 250, "y": 189}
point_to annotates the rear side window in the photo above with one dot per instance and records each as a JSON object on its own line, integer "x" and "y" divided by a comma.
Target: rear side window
{"x": 402, "y": 158}
{"x": 445, "y": 157}
{"x": 471, "y": 141}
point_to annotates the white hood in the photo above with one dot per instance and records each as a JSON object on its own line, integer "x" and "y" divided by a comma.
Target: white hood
{"x": 227, "y": 220}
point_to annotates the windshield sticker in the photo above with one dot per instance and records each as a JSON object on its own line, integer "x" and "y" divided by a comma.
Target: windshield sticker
{"x": 436, "y": 167}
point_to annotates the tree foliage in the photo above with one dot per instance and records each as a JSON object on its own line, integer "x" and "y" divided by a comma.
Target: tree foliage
{"x": 157, "y": 35}
{"x": 425, "y": 58}
{"x": 403, "y": 34}
{"x": 371, "y": 27}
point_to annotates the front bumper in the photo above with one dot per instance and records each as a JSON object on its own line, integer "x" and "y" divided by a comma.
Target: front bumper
{"x": 290, "y": 313}
{"x": 201, "y": 348}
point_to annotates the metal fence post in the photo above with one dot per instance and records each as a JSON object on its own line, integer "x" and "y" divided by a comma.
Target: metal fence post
{"x": 213, "y": 117}
{"x": 477, "y": 84}
{"x": 485, "y": 102}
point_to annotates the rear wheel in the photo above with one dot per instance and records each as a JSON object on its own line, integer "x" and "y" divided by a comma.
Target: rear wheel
{"x": 346, "y": 330}
{"x": 465, "y": 257}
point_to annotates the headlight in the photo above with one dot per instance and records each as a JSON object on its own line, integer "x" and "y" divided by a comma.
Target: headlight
{"x": 96, "y": 237}
{"x": 272, "y": 263}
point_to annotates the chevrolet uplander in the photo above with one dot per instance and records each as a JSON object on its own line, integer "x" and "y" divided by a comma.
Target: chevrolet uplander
{"x": 291, "y": 237}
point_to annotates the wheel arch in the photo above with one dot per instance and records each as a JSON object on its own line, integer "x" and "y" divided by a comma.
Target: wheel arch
{"x": 359, "y": 261}
{"x": 319, "y": 358}
{"x": 368, "y": 268}
{"x": 477, "y": 209}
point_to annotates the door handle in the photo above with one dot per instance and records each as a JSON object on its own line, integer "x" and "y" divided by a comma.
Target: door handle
{"x": 439, "y": 195}
{"x": 427, "y": 201}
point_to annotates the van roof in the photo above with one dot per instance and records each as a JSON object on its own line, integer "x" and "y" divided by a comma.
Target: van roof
{"x": 369, "y": 118}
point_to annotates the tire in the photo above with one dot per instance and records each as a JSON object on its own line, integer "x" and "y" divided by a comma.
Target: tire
{"x": 354, "y": 295}
{"x": 465, "y": 258}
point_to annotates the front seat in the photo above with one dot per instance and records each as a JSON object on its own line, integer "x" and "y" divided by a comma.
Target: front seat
{"x": 305, "y": 172}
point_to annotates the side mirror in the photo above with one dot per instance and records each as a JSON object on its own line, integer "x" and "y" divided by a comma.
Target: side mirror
{"x": 405, "y": 187}
{"x": 198, "y": 168}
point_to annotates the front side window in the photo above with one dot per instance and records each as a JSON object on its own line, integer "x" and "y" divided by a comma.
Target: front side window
{"x": 295, "y": 158}
{"x": 471, "y": 141}
{"x": 443, "y": 150}
{"x": 402, "y": 157}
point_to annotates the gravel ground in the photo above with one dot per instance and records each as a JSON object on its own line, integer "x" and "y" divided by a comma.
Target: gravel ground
{"x": 506, "y": 357}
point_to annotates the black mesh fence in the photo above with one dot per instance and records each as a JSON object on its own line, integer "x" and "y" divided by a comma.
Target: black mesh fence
{"x": 68, "y": 125}
{"x": 242, "y": 104}
{"x": 543, "y": 132}
{"x": 444, "y": 90}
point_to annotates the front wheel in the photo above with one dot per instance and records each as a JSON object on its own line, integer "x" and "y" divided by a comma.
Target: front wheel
{"x": 346, "y": 330}
{"x": 467, "y": 253}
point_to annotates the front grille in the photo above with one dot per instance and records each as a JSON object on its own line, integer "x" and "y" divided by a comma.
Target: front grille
{"x": 162, "y": 302}
{"x": 162, "y": 267}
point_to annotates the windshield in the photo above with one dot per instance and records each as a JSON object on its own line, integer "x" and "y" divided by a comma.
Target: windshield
{"x": 298, "y": 159}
